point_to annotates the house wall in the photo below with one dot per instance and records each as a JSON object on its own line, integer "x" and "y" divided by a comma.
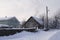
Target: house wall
{"x": 11, "y": 22}
{"x": 3, "y": 22}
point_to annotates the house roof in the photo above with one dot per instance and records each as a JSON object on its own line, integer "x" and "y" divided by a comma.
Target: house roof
{"x": 5, "y": 18}
{"x": 38, "y": 20}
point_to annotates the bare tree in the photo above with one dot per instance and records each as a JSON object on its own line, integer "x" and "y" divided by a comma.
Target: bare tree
{"x": 55, "y": 20}
{"x": 53, "y": 23}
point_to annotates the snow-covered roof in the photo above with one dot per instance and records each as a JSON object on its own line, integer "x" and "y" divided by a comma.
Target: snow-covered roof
{"x": 38, "y": 20}
{"x": 5, "y": 18}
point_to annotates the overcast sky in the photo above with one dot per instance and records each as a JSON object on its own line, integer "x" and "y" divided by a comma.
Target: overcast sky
{"x": 23, "y": 9}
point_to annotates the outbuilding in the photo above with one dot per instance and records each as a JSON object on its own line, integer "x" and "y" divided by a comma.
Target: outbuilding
{"x": 33, "y": 22}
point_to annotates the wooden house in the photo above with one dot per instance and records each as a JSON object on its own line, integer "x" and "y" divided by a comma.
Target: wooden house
{"x": 9, "y": 21}
{"x": 33, "y": 22}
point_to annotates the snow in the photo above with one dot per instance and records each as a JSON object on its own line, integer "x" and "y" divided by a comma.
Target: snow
{"x": 38, "y": 20}
{"x": 24, "y": 35}
{"x": 24, "y": 28}
{"x": 5, "y": 18}
{"x": 1, "y": 25}
{"x": 55, "y": 36}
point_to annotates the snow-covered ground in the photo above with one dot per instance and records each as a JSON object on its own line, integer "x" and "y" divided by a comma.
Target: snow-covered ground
{"x": 40, "y": 35}
{"x": 55, "y": 36}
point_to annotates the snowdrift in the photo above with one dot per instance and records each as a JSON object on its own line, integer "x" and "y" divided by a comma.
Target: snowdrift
{"x": 24, "y": 35}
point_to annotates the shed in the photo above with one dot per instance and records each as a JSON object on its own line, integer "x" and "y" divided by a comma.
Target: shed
{"x": 33, "y": 22}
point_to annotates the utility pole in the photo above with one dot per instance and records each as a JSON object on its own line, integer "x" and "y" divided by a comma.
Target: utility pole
{"x": 46, "y": 19}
